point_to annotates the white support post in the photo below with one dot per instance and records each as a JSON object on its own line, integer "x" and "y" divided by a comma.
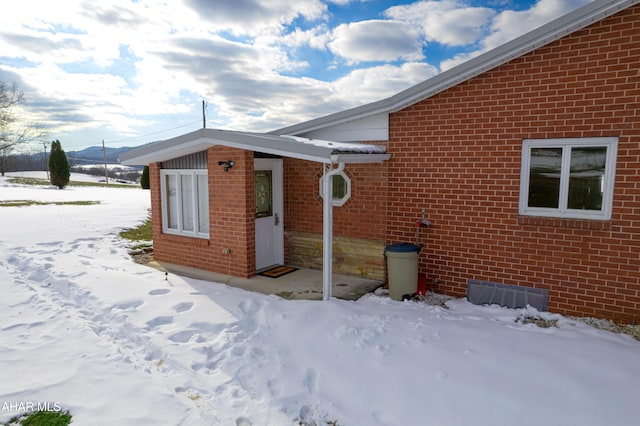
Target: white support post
{"x": 327, "y": 229}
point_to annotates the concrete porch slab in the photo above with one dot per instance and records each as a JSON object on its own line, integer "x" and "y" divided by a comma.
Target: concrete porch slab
{"x": 304, "y": 284}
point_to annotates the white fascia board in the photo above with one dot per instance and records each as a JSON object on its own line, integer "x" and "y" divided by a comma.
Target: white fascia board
{"x": 309, "y": 155}
{"x": 359, "y": 158}
{"x": 153, "y": 153}
{"x": 276, "y": 145}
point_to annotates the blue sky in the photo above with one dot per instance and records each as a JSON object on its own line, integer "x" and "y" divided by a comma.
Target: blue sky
{"x": 135, "y": 71}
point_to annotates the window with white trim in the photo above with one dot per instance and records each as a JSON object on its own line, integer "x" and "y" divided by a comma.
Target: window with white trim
{"x": 341, "y": 188}
{"x": 185, "y": 202}
{"x": 568, "y": 178}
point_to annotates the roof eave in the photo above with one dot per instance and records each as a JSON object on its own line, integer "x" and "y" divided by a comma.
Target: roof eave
{"x": 351, "y": 114}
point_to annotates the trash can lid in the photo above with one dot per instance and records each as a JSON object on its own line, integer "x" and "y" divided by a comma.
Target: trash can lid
{"x": 403, "y": 248}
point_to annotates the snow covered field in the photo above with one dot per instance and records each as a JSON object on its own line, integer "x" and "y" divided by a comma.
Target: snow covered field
{"x": 113, "y": 342}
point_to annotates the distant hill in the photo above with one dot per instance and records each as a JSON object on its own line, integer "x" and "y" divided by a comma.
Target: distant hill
{"x": 86, "y": 158}
{"x": 94, "y": 155}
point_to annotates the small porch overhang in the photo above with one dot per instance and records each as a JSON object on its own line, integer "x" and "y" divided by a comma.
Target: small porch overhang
{"x": 321, "y": 151}
{"x": 329, "y": 153}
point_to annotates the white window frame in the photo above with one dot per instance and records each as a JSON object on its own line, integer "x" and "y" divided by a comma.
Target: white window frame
{"x": 337, "y": 201}
{"x": 179, "y": 230}
{"x": 566, "y": 144}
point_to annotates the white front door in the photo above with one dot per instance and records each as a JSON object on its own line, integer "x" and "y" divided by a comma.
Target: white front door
{"x": 269, "y": 207}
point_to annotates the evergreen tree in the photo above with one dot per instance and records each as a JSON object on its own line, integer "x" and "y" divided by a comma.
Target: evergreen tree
{"x": 58, "y": 165}
{"x": 144, "y": 178}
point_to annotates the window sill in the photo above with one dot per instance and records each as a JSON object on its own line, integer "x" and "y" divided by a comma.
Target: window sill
{"x": 560, "y": 222}
{"x": 197, "y": 241}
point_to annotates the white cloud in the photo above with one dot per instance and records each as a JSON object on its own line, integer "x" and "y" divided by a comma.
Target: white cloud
{"x": 448, "y": 22}
{"x": 458, "y": 59}
{"x": 63, "y": 101}
{"x": 174, "y": 58}
{"x": 317, "y": 38}
{"x": 62, "y": 48}
{"x": 42, "y": 31}
{"x": 307, "y": 98}
{"x": 510, "y": 24}
{"x": 253, "y": 17}
{"x": 375, "y": 83}
{"x": 376, "y": 40}
{"x": 66, "y": 102}
{"x": 346, "y": 2}
{"x": 39, "y": 14}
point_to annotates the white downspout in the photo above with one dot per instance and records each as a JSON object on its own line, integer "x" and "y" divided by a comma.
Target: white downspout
{"x": 327, "y": 229}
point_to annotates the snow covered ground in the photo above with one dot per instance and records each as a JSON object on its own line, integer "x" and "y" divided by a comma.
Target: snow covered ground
{"x": 114, "y": 342}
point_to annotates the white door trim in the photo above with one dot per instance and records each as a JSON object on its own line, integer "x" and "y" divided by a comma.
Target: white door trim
{"x": 275, "y": 165}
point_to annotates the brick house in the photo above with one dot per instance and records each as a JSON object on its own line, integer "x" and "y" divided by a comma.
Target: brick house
{"x": 526, "y": 159}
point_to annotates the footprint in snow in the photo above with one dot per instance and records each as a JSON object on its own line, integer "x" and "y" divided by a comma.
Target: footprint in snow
{"x": 383, "y": 418}
{"x": 129, "y": 305}
{"x": 275, "y": 387}
{"x": 158, "y": 321}
{"x": 22, "y": 325}
{"x": 310, "y": 380}
{"x": 185, "y": 336}
{"x": 158, "y": 292}
{"x": 50, "y": 244}
{"x": 183, "y": 307}
{"x": 249, "y": 306}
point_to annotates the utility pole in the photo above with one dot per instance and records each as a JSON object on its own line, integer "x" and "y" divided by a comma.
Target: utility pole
{"x": 106, "y": 171}
{"x": 204, "y": 118}
{"x": 46, "y": 166}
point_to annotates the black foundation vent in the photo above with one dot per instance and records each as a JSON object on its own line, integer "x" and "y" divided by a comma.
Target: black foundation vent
{"x": 511, "y": 296}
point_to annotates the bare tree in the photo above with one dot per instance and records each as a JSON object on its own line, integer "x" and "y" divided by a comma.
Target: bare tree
{"x": 13, "y": 132}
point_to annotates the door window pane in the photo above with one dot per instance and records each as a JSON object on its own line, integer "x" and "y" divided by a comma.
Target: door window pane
{"x": 263, "y": 193}
{"x": 544, "y": 177}
{"x": 186, "y": 190}
{"x": 172, "y": 201}
{"x": 586, "y": 178}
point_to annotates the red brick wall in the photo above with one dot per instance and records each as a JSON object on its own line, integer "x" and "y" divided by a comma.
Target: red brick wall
{"x": 362, "y": 216}
{"x": 231, "y": 219}
{"x": 457, "y": 155}
{"x": 232, "y": 211}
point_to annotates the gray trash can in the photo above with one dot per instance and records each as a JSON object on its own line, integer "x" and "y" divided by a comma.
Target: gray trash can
{"x": 402, "y": 269}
